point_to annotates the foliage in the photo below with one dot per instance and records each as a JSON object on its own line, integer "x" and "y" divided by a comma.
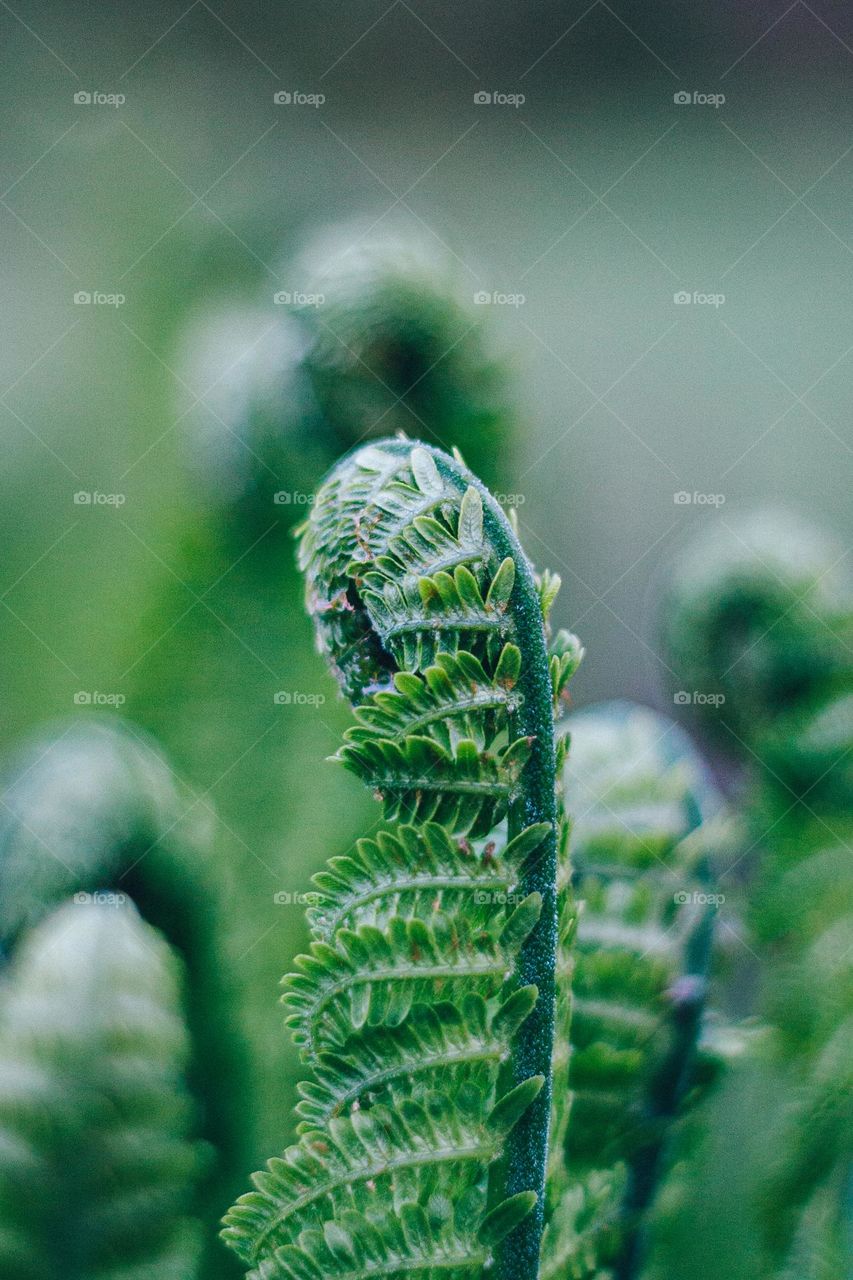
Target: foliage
{"x": 398, "y": 344}
{"x": 97, "y": 1169}
{"x": 781, "y": 612}
{"x": 394, "y": 343}
{"x": 645, "y": 822}
{"x": 436, "y": 941}
{"x": 93, "y": 810}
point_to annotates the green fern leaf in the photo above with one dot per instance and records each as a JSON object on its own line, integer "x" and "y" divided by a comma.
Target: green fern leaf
{"x": 97, "y": 1171}
{"x": 95, "y": 807}
{"x": 640, "y": 959}
{"x": 425, "y": 1005}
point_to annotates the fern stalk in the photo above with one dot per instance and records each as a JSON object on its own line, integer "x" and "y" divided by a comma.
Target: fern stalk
{"x": 527, "y": 1146}
{"x": 426, "y": 1005}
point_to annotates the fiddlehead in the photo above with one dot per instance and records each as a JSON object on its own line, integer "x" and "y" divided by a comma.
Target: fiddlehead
{"x": 788, "y": 714}
{"x": 95, "y": 807}
{"x": 398, "y": 344}
{"x": 641, "y": 804}
{"x": 757, "y": 621}
{"x": 97, "y": 1169}
{"x": 425, "y": 1007}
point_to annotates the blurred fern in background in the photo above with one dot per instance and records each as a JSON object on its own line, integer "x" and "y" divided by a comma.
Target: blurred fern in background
{"x": 225, "y": 633}
{"x": 94, "y": 812}
{"x": 763, "y": 613}
{"x": 98, "y": 1172}
{"x": 645, "y": 817}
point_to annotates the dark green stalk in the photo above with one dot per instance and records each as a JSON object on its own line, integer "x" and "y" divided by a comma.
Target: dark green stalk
{"x": 434, "y": 625}
{"x": 527, "y": 1145}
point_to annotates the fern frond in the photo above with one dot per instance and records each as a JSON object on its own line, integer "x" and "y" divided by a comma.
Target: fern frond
{"x": 97, "y": 1171}
{"x": 572, "y": 1243}
{"x": 641, "y": 953}
{"x": 466, "y": 790}
{"x": 778, "y": 601}
{"x": 398, "y": 344}
{"x": 435, "y": 1148}
{"x": 426, "y": 1003}
{"x": 455, "y": 698}
{"x": 446, "y": 1043}
{"x": 95, "y": 807}
{"x": 373, "y": 977}
{"x": 417, "y": 873}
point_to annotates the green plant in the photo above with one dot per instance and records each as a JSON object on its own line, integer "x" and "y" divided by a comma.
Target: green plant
{"x": 645, "y": 821}
{"x": 92, "y": 808}
{"x": 398, "y": 344}
{"x": 426, "y": 1005}
{"x": 97, "y": 1169}
{"x": 764, "y": 614}
{"x": 223, "y": 631}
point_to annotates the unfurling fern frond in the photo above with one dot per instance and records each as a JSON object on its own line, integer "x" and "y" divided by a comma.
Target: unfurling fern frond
{"x": 779, "y": 598}
{"x": 639, "y": 798}
{"x": 95, "y": 807}
{"x": 425, "y": 1007}
{"x": 399, "y": 344}
{"x": 97, "y": 1171}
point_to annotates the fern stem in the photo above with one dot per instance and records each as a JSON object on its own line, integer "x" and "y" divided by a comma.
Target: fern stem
{"x": 536, "y": 801}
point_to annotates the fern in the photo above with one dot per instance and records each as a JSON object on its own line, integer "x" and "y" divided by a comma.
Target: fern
{"x": 643, "y": 812}
{"x": 777, "y": 603}
{"x": 96, "y": 1166}
{"x": 399, "y": 345}
{"x": 95, "y": 807}
{"x": 426, "y": 1004}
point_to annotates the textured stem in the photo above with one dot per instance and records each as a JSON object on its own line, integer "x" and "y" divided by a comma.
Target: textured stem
{"x": 527, "y": 1145}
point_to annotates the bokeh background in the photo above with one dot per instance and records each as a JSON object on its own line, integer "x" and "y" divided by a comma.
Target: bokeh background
{"x": 593, "y": 204}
